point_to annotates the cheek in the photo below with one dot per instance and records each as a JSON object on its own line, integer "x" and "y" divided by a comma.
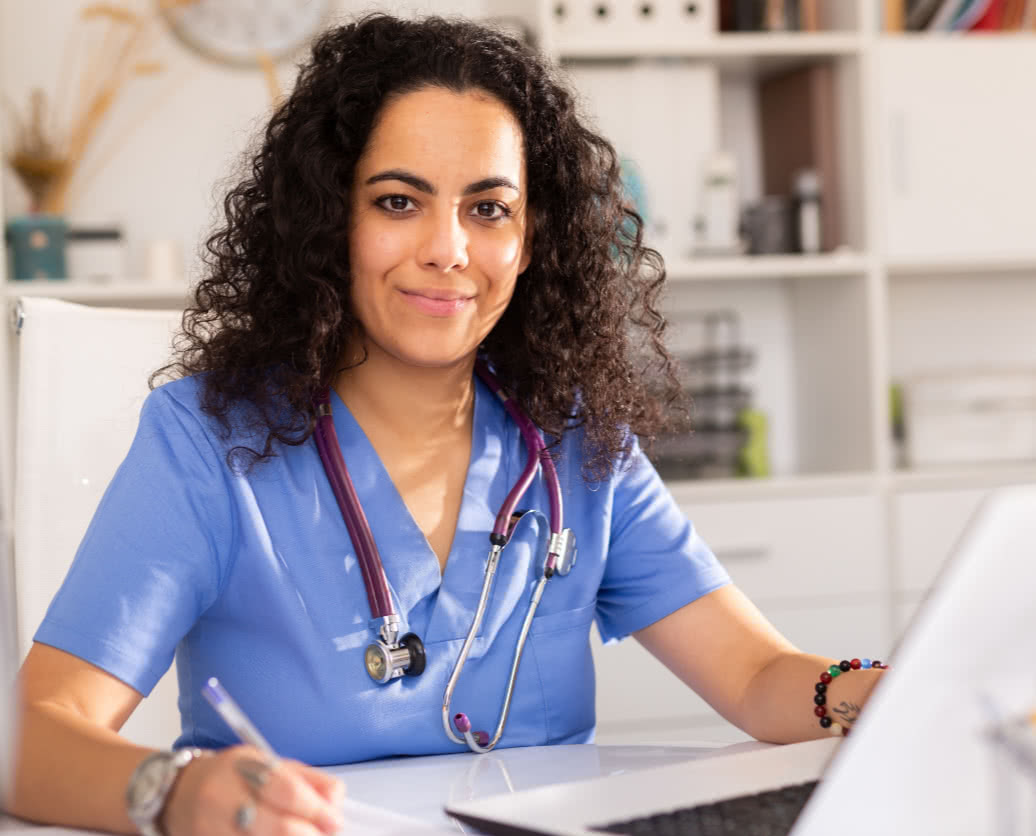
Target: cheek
{"x": 500, "y": 258}
{"x": 373, "y": 250}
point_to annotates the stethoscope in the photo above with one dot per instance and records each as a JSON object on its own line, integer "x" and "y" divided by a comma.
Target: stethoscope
{"x": 391, "y": 656}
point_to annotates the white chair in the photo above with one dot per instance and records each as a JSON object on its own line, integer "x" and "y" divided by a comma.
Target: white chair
{"x": 82, "y": 377}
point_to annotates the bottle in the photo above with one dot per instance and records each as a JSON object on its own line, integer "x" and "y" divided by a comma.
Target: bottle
{"x": 807, "y": 211}
{"x": 719, "y": 210}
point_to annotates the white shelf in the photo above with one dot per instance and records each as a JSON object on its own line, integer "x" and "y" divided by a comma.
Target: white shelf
{"x": 690, "y": 491}
{"x": 904, "y": 268}
{"x": 752, "y": 52}
{"x": 962, "y": 477}
{"x": 124, "y": 291}
{"x": 832, "y": 265}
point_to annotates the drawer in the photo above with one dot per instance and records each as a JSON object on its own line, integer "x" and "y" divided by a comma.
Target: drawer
{"x": 797, "y": 548}
{"x": 927, "y": 526}
{"x": 634, "y": 689}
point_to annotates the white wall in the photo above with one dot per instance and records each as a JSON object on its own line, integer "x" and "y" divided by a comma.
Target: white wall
{"x": 176, "y": 134}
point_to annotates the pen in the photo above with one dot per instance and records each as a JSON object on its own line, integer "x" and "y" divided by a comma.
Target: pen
{"x": 231, "y": 712}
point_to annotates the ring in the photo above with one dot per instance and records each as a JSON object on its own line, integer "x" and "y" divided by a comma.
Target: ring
{"x": 245, "y": 816}
{"x": 255, "y": 772}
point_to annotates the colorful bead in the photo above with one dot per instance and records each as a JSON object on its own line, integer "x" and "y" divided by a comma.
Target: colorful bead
{"x": 820, "y": 699}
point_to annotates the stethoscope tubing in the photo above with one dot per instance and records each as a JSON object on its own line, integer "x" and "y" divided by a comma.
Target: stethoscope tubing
{"x": 374, "y": 579}
{"x": 560, "y": 553}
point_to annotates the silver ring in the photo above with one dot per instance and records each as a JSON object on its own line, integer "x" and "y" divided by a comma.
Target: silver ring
{"x": 244, "y": 817}
{"x": 255, "y": 772}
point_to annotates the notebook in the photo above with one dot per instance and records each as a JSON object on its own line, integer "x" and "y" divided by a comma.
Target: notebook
{"x": 920, "y": 759}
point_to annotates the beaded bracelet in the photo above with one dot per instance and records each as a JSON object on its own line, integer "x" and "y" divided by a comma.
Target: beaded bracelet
{"x": 820, "y": 699}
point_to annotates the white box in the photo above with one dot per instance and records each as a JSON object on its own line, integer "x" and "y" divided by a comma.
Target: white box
{"x": 631, "y": 26}
{"x": 970, "y": 417}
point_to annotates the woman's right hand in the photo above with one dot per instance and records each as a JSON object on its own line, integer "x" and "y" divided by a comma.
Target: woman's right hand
{"x": 239, "y": 791}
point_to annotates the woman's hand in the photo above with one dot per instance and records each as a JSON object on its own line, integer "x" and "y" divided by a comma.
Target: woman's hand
{"x": 239, "y": 791}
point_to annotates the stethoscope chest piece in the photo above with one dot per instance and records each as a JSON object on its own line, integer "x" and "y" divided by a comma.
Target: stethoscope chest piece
{"x": 385, "y": 662}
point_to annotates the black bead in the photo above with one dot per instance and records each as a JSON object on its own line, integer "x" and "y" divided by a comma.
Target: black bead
{"x": 875, "y": 664}
{"x": 825, "y": 722}
{"x": 845, "y": 665}
{"x": 820, "y": 699}
{"x": 821, "y": 687}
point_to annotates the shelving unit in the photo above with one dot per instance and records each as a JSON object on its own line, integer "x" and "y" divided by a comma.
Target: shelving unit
{"x": 834, "y": 330}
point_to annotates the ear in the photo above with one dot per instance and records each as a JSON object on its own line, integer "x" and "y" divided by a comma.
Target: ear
{"x": 526, "y": 258}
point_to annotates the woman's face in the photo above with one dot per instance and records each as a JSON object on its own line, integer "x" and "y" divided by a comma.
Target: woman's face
{"x": 440, "y": 228}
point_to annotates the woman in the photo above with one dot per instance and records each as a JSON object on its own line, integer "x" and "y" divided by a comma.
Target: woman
{"x": 427, "y": 197}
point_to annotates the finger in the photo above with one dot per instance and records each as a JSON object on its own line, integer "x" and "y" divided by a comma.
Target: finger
{"x": 324, "y": 783}
{"x": 288, "y": 792}
{"x": 255, "y": 772}
{"x": 269, "y": 821}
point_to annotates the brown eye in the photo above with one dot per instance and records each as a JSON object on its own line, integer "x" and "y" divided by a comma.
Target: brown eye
{"x": 490, "y": 210}
{"x": 395, "y": 203}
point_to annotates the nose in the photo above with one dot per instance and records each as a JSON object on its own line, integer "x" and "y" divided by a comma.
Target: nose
{"x": 444, "y": 243}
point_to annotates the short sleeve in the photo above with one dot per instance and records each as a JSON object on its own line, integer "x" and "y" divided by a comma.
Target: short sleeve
{"x": 656, "y": 561}
{"x": 151, "y": 561}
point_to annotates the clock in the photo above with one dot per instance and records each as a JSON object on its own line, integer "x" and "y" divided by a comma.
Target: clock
{"x": 242, "y": 32}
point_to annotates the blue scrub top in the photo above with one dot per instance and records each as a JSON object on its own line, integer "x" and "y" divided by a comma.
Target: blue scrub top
{"x": 252, "y": 577}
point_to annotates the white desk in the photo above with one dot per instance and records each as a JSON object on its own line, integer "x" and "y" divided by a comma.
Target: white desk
{"x": 420, "y": 787}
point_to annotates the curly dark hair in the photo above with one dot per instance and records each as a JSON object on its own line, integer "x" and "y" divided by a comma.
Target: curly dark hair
{"x": 268, "y": 322}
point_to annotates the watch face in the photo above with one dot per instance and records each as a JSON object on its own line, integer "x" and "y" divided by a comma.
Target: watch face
{"x": 238, "y": 31}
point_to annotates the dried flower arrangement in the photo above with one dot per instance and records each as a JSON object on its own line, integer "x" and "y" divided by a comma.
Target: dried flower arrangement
{"x": 46, "y": 156}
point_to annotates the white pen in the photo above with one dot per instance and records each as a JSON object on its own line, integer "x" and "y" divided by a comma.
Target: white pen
{"x": 231, "y": 712}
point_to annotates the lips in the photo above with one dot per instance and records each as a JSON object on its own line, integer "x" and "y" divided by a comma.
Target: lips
{"x": 437, "y": 301}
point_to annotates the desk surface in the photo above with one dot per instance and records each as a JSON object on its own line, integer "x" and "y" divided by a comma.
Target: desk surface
{"x": 419, "y": 788}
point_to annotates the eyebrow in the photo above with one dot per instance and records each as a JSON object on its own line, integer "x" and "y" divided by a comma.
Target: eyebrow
{"x": 423, "y": 185}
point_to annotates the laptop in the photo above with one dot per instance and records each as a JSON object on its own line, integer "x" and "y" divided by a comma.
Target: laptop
{"x": 920, "y": 759}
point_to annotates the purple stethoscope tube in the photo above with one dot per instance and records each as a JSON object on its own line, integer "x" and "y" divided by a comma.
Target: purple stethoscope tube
{"x": 387, "y": 658}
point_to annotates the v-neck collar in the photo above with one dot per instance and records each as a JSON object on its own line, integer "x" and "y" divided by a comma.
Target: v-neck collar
{"x": 436, "y": 605}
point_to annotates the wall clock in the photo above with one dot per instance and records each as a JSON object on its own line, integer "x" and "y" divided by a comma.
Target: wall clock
{"x": 238, "y": 32}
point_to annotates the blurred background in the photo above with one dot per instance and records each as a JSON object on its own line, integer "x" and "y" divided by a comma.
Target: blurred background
{"x": 842, "y": 191}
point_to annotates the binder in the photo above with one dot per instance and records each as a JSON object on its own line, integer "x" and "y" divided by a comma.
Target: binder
{"x": 798, "y": 121}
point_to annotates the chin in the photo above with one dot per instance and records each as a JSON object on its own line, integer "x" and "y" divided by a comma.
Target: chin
{"x": 435, "y": 356}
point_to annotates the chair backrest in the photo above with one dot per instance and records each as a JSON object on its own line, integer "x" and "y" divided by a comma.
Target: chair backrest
{"x": 7, "y": 667}
{"x": 82, "y": 377}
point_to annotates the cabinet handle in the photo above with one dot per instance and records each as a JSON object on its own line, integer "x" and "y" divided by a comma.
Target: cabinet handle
{"x": 899, "y": 153}
{"x": 742, "y": 553}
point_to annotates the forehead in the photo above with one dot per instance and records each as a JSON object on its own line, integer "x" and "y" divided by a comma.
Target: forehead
{"x": 436, "y": 130}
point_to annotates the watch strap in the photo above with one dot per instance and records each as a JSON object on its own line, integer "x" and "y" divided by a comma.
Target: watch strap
{"x": 146, "y": 820}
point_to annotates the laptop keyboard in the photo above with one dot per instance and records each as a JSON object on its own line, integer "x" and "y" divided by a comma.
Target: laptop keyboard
{"x": 770, "y": 813}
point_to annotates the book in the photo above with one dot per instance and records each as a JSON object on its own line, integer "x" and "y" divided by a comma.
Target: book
{"x": 798, "y": 123}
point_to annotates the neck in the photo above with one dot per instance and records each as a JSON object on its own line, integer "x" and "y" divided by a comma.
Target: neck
{"x": 409, "y": 401}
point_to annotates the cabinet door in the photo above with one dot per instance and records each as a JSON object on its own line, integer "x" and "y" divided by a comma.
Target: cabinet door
{"x": 957, "y": 128}
{"x": 808, "y": 548}
{"x": 927, "y": 525}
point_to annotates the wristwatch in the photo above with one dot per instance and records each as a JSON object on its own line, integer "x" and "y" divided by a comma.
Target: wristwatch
{"x": 150, "y": 785}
